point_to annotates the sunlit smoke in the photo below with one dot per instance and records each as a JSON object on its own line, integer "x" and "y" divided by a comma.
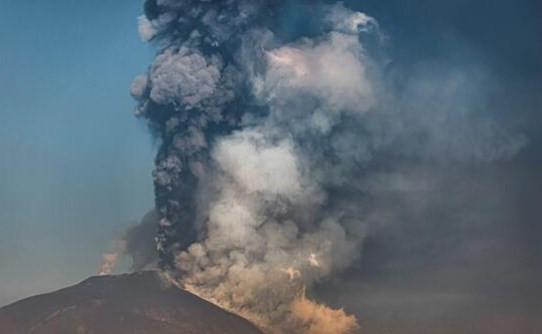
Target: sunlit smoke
{"x": 319, "y": 319}
{"x": 241, "y": 181}
{"x": 111, "y": 259}
{"x": 266, "y": 151}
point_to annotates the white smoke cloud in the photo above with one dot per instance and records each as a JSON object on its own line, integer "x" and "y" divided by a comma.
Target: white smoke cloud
{"x": 257, "y": 166}
{"x": 268, "y": 234}
{"x": 146, "y": 30}
{"x": 348, "y": 22}
{"x": 266, "y": 154}
{"x": 110, "y": 260}
{"x": 139, "y": 85}
{"x": 333, "y": 72}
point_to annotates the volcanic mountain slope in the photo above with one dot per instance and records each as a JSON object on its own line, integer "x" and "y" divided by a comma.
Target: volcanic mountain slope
{"x": 139, "y": 303}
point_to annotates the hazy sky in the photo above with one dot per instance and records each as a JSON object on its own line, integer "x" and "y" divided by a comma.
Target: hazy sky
{"x": 75, "y": 164}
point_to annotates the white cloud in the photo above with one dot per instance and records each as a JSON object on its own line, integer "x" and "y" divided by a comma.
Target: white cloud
{"x": 333, "y": 72}
{"x": 258, "y": 166}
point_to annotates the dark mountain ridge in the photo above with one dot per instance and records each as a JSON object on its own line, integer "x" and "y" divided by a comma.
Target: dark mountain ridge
{"x": 139, "y": 303}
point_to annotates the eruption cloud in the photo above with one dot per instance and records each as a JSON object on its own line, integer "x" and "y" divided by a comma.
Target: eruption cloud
{"x": 137, "y": 242}
{"x": 111, "y": 259}
{"x": 249, "y": 154}
{"x": 267, "y": 144}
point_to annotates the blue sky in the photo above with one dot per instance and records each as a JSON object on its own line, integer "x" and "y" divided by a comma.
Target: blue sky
{"x": 75, "y": 163}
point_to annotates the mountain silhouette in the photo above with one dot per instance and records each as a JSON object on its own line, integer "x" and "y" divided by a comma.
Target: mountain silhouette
{"x": 139, "y": 303}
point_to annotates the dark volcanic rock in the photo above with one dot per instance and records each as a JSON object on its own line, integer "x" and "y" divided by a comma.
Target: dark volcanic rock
{"x": 139, "y": 303}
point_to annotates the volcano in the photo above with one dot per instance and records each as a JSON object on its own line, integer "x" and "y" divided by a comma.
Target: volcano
{"x": 139, "y": 303}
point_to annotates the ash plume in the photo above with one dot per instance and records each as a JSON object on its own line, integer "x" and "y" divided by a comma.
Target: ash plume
{"x": 111, "y": 260}
{"x": 269, "y": 141}
{"x": 138, "y": 242}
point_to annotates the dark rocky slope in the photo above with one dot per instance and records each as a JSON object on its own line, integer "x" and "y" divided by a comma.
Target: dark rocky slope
{"x": 139, "y": 303}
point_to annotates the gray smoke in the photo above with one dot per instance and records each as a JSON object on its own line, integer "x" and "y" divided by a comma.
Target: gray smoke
{"x": 137, "y": 242}
{"x": 272, "y": 142}
{"x": 140, "y": 243}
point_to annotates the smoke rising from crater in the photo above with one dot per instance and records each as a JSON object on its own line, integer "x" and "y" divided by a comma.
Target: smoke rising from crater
{"x": 269, "y": 143}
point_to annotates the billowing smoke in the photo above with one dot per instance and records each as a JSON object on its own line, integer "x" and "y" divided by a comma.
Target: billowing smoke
{"x": 138, "y": 243}
{"x": 269, "y": 141}
{"x": 111, "y": 259}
